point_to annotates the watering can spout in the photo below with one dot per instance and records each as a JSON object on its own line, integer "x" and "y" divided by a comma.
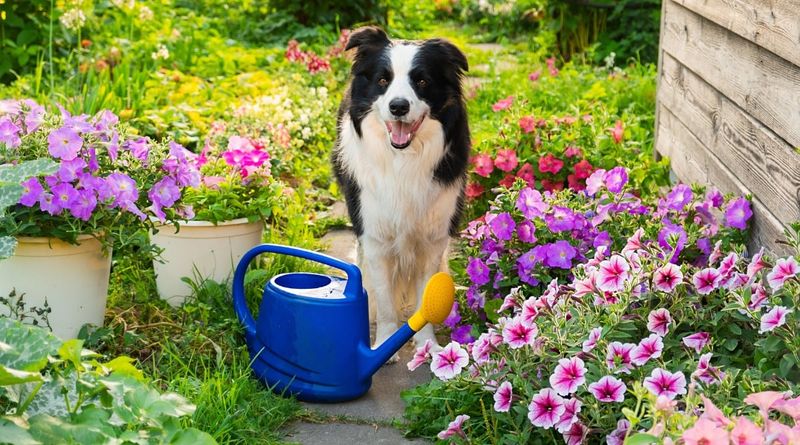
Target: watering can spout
{"x": 437, "y": 301}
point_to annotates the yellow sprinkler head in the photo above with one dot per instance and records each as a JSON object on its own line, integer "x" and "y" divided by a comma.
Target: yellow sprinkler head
{"x": 437, "y": 301}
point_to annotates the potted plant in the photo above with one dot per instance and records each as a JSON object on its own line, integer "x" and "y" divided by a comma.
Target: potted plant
{"x": 108, "y": 182}
{"x": 233, "y": 199}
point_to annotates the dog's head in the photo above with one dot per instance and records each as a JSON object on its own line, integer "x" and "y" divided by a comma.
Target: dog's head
{"x": 403, "y": 82}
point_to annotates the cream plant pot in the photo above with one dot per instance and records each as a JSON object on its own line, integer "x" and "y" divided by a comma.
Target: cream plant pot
{"x": 200, "y": 250}
{"x": 73, "y": 278}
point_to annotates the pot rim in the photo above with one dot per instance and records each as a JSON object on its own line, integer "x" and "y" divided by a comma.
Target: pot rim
{"x": 49, "y": 239}
{"x": 197, "y": 223}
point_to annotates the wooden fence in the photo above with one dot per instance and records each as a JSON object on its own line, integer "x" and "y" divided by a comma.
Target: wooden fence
{"x": 729, "y": 103}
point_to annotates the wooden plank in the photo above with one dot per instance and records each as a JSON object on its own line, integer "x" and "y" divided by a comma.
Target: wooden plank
{"x": 693, "y": 163}
{"x": 656, "y": 154}
{"x": 752, "y": 152}
{"x": 764, "y": 85}
{"x": 772, "y": 24}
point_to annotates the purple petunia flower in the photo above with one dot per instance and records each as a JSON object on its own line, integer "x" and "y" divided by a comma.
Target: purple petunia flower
{"x": 595, "y": 182}
{"x": 737, "y": 213}
{"x": 69, "y": 171}
{"x": 139, "y": 148}
{"x": 560, "y": 254}
{"x": 530, "y": 203}
{"x": 478, "y": 271}
{"x": 615, "y": 179}
{"x": 64, "y": 144}
{"x": 664, "y": 383}
{"x": 164, "y": 194}
{"x": 462, "y": 334}
{"x": 34, "y": 118}
{"x": 9, "y": 133}
{"x": 526, "y": 232}
{"x": 503, "y": 226}
{"x": 64, "y": 194}
{"x": 32, "y": 192}
{"x": 672, "y": 238}
{"x": 120, "y": 187}
{"x": 680, "y": 195}
{"x": 617, "y": 437}
{"x": 83, "y": 205}
{"x": 49, "y": 204}
{"x": 453, "y": 318}
{"x": 560, "y": 220}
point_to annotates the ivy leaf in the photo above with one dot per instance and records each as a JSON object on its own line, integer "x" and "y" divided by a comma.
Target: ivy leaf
{"x": 11, "y": 376}
{"x": 15, "y": 174}
{"x": 8, "y": 244}
{"x": 13, "y": 433}
{"x": 9, "y": 195}
{"x": 25, "y": 347}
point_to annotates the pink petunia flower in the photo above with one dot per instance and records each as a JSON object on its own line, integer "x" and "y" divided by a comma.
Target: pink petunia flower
{"x": 483, "y": 164}
{"x": 649, "y": 348}
{"x": 502, "y": 397}
{"x": 635, "y": 241}
{"x": 618, "y": 357}
{"x": 775, "y": 318}
{"x": 517, "y": 334}
{"x": 618, "y": 132}
{"x": 454, "y": 428}
{"x": 658, "y": 321}
{"x": 697, "y": 340}
{"x": 608, "y": 389}
{"x": 757, "y": 263}
{"x": 667, "y": 277}
{"x": 571, "y": 409}
{"x": 594, "y": 335}
{"x": 613, "y": 273}
{"x": 728, "y": 265}
{"x": 506, "y": 160}
{"x": 790, "y": 407}
{"x": 449, "y": 362}
{"x": 758, "y": 296}
{"x": 745, "y": 432}
{"x": 586, "y": 285}
{"x": 534, "y": 76}
{"x": 421, "y": 356}
{"x": 706, "y": 373}
{"x": 546, "y": 408}
{"x": 764, "y": 400}
{"x": 664, "y": 383}
{"x": 595, "y": 181}
{"x": 617, "y": 437}
{"x": 576, "y": 434}
{"x": 482, "y": 347}
{"x": 510, "y": 300}
{"x": 527, "y": 124}
{"x": 530, "y": 310}
{"x": 503, "y": 104}
{"x": 706, "y": 280}
{"x": 785, "y": 268}
{"x": 713, "y": 414}
{"x": 473, "y": 190}
{"x": 705, "y": 432}
{"x": 568, "y": 376}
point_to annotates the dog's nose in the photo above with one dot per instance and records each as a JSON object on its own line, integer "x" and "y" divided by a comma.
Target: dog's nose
{"x": 399, "y": 107}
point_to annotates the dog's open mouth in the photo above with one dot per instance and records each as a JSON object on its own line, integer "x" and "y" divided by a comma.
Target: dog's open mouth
{"x": 402, "y": 133}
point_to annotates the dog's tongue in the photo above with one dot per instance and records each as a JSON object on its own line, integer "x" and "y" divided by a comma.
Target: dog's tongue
{"x": 401, "y": 132}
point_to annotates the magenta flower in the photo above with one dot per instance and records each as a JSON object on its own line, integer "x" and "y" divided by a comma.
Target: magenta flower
{"x": 527, "y": 124}
{"x": 615, "y": 179}
{"x": 594, "y": 336}
{"x": 64, "y": 194}
{"x": 706, "y": 280}
{"x": 618, "y": 132}
{"x": 664, "y": 383}
{"x": 613, "y": 273}
{"x": 737, "y": 213}
{"x": 680, "y": 195}
{"x": 568, "y": 376}
{"x": 506, "y": 160}
{"x": 706, "y": 373}
{"x": 608, "y": 389}
{"x": 421, "y": 356}
{"x": 503, "y": 104}
{"x": 530, "y": 310}
{"x": 658, "y": 321}
{"x": 672, "y": 238}
{"x": 546, "y": 409}
{"x": 595, "y": 181}
{"x": 449, "y": 362}
{"x": 164, "y": 194}
{"x": 502, "y": 397}
{"x": 745, "y": 432}
{"x": 618, "y": 357}
{"x": 757, "y": 263}
{"x": 503, "y": 226}
{"x": 32, "y": 192}
{"x": 560, "y": 254}
{"x": 571, "y": 409}
{"x": 478, "y": 271}
{"x": 775, "y": 318}
{"x": 667, "y": 277}
{"x": 9, "y": 133}
{"x": 785, "y": 268}
{"x": 83, "y": 204}
{"x": 758, "y": 296}
{"x": 483, "y": 164}
{"x": 122, "y": 188}
{"x": 526, "y": 232}
{"x": 697, "y": 341}
{"x": 530, "y": 203}
{"x": 576, "y": 434}
{"x": 560, "y": 220}
{"x": 728, "y": 265}
{"x": 454, "y": 428}
{"x": 617, "y": 437}
{"x": 69, "y": 171}
{"x": 649, "y": 348}
{"x": 49, "y": 204}
{"x": 64, "y": 143}
{"x": 586, "y": 285}
{"x": 517, "y": 334}
{"x": 534, "y": 76}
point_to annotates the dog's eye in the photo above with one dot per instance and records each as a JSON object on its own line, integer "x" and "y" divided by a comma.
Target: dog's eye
{"x": 383, "y": 82}
{"x": 422, "y": 83}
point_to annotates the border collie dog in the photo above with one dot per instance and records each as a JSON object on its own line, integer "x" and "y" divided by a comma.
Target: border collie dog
{"x": 400, "y": 159}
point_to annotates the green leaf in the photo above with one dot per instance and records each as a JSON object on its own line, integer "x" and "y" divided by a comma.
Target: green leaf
{"x": 25, "y": 347}
{"x": 124, "y": 366}
{"x": 8, "y": 244}
{"x": 71, "y": 351}
{"x": 15, "y": 174}
{"x": 786, "y": 364}
{"x": 192, "y": 436}
{"x": 10, "y": 376}
{"x": 9, "y": 195}
{"x": 15, "y": 434}
{"x": 641, "y": 439}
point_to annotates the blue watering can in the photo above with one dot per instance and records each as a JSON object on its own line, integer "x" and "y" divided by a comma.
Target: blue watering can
{"x": 311, "y": 338}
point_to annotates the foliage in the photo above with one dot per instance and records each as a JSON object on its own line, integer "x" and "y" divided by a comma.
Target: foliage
{"x": 23, "y": 30}
{"x": 11, "y": 178}
{"x": 56, "y": 391}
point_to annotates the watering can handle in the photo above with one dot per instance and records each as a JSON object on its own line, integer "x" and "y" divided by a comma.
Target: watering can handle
{"x": 353, "y": 289}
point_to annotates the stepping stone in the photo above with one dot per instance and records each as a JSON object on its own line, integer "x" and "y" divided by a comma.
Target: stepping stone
{"x": 346, "y": 434}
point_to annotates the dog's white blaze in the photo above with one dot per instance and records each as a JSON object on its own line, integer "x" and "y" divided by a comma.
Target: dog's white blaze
{"x": 402, "y": 58}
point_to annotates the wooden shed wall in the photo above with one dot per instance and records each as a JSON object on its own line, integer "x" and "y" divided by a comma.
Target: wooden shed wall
{"x": 729, "y": 103}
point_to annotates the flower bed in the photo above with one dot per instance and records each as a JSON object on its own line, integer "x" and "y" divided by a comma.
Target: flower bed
{"x": 585, "y": 307}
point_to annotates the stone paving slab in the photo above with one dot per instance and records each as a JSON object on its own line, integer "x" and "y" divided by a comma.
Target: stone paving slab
{"x": 346, "y": 434}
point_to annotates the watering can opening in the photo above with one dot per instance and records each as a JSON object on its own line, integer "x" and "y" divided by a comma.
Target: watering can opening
{"x": 313, "y": 285}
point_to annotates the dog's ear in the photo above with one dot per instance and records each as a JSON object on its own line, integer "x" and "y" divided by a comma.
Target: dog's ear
{"x": 450, "y": 52}
{"x": 367, "y": 36}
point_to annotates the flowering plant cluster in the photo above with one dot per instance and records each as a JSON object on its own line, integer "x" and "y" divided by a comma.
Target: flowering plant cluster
{"x": 628, "y": 324}
{"x": 528, "y": 238}
{"x": 107, "y": 178}
{"x": 314, "y": 63}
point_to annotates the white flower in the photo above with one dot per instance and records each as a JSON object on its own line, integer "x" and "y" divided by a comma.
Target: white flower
{"x": 73, "y": 19}
{"x": 161, "y": 53}
{"x": 145, "y": 13}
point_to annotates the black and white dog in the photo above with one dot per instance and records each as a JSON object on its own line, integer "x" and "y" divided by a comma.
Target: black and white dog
{"x": 400, "y": 159}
